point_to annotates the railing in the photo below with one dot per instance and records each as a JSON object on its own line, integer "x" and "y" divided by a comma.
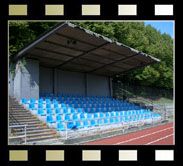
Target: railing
{"x": 100, "y": 130}
{"x": 21, "y": 136}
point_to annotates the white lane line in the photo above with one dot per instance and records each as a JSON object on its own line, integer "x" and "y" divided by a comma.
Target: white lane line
{"x": 159, "y": 139}
{"x": 142, "y": 136}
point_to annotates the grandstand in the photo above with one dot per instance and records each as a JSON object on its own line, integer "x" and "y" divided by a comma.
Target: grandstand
{"x": 67, "y": 82}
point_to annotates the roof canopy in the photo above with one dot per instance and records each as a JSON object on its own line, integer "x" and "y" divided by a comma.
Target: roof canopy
{"x": 70, "y": 47}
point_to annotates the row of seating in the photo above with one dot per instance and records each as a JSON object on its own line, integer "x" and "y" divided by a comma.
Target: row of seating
{"x": 69, "y": 95}
{"x": 82, "y": 116}
{"x": 93, "y": 122}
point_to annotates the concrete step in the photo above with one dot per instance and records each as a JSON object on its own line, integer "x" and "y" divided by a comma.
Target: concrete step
{"x": 34, "y": 128}
{"x": 28, "y": 123}
{"x": 39, "y": 138}
{"x": 35, "y": 131}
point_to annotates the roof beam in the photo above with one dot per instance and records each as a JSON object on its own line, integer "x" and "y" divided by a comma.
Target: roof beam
{"x": 114, "y": 62}
{"x": 83, "y": 54}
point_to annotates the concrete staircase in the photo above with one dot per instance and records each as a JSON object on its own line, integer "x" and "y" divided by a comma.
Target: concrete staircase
{"x": 37, "y": 131}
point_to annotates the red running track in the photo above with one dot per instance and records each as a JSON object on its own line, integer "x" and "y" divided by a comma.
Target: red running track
{"x": 159, "y": 135}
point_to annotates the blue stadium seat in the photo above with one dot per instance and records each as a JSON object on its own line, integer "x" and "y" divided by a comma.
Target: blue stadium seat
{"x": 79, "y": 110}
{"x": 40, "y": 101}
{"x": 89, "y": 116}
{"x": 101, "y": 122}
{"x": 24, "y": 101}
{"x": 32, "y": 100}
{"x": 67, "y": 117}
{"x": 82, "y": 116}
{"x": 117, "y": 120}
{"x": 60, "y": 127}
{"x": 96, "y": 116}
{"x": 49, "y": 119}
{"x": 59, "y": 118}
{"x": 65, "y": 111}
{"x": 74, "y": 117}
{"x": 56, "y": 105}
{"x": 111, "y": 121}
{"x": 48, "y": 105}
{"x": 70, "y": 125}
{"x": 117, "y": 114}
{"x": 32, "y": 106}
{"x": 58, "y": 111}
{"x": 78, "y": 125}
{"x": 49, "y": 111}
{"x": 101, "y": 115}
{"x": 121, "y": 113}
{"x": 40, "y": 105}
{"x": 93, "y": 123}
{"x": 86, "y": 124}
{"x": 107, "y": 115}
{"x": 126, "y": 119}
{"x": 40, "y": 112}
{"x": 112, "y": 114}
{"x": 63, "y": 105}
{"x": 73, "y": 111}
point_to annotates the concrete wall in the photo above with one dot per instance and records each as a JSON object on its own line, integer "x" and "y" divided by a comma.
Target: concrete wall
{"x": 70, "y": 82}
{"x": 98, "y": 85}
{"x": 26, "y": 81}
{"x": 46, "y": 80}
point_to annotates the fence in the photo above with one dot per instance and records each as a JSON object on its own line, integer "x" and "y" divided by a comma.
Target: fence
{"x": 141, "y": 91}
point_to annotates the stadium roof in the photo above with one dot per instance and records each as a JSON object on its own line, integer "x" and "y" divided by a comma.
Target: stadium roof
{"x": 70, "y": 47}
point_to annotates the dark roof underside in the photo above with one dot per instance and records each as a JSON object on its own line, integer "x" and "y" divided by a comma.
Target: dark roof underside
{"x": 69, "y": 47}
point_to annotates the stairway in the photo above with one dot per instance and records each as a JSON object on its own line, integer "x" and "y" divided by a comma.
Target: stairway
{"x": 37, "y": 131}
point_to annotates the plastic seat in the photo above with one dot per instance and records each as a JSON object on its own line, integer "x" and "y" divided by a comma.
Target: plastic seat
{"x": 117, "y": 120}
{"x": 40, "y": 105}
{"x": 70, "y": 125}
{"x": 57, "y": 111}
{"x": 89, "y": 116}
{"x": 60, "y": 127}
{"x": 101, "y": 122}
{"x": 93, "y": 123}
{"x": 65, "y": 111}
{"x": 96, "y": 116}
{"x": 82, "y": 116}
{"x": 49, "y": 119}
{"x": 40, "y": 101}
{"x": 73, "y": 111}
{"x": 121, "y": 113}
{"x": 107, "y": 115}
{"x": 86, "y": 124}
{"x": 126, "y": 119}
{"x": 32, "y": 100}
{"x": 112, "y": 114}
{"x": 67, "y": 117}
{"x": 56, "y": 105}
{"x": 32, "y": 106}
{"x": 63, "y": 105}
{"x": 117, "y": 114}
{"x": 74, "y": 117}
{"x": 49, "y": 111}
{"x": 101, "y": 115}
{"x": 79, "y": 110}
{"x": 40, "y": 112}
{"x": 111, "y": 121}
{"x": 48, "y": 105}
{"x": 78, "y": 125}
{"x": 24, "y": 101}
{"x": 59, "y": 118}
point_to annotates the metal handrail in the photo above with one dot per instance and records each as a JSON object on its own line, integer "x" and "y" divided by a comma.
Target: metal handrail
{"x": 21, "y": 136}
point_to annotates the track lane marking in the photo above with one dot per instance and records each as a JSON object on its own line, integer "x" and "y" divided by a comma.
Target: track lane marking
{"x": 159, "y": 139}
{"x": 143, "y": 136}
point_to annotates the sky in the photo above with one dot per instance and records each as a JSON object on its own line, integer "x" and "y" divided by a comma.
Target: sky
{"x": 163, "y": 26}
